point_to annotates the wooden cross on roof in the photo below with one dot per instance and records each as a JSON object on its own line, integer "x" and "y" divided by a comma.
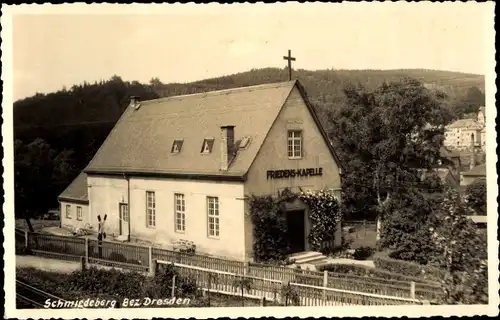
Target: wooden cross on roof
{"x": 290, "y": 59}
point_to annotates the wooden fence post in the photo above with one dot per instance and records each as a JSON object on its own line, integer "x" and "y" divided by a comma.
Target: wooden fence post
{"x": 152, "y": 266}
{"x": 82, "y": 263}
{"x": 412, "y": 290}
{"x": 263, "y": 301}
{"x": 173, "y": 286}
{"x": 281, "y": 299}
{"x": 86, "y": 250}
{"x": 325, "y": 283}
{"x": 26, "y": 239}
{"x": 246, "y": 266}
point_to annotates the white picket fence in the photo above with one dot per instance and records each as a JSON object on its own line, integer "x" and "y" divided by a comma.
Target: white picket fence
{"x": 227, "y": 283}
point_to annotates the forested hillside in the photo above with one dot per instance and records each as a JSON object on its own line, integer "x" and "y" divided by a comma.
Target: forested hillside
{"x": 58, "y": 133}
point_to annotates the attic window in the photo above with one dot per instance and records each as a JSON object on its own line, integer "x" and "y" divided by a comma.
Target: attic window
{"x": 177, "y": 146}
{"x": 244, "y": 142}
{"x": 207, "y": 146}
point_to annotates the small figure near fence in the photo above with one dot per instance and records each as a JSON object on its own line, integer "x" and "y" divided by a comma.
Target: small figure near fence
{"x": 101, "y": 233}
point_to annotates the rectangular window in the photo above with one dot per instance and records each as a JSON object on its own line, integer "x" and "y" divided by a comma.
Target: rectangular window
{"x": 180, "y": 213}
{"x": 79, "y": 213}
{"x": 213, "y": 216}
{"x": 294, "y": 144}
{"x": 150, "y": 209}
{"x": 68, "y": 211}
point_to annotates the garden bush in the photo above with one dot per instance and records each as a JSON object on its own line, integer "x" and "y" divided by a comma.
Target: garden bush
{"x": 94, "y": 281}
{"x": 22, "y": 250}
{"x": 118, "y": 257}
{"x": 363, "y": 253}
{"x": 363, "y": 271}
{"x": 407, "y": 268}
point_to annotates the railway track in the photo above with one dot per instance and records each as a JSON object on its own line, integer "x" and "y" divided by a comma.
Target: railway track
{"x": 29, "y": 297}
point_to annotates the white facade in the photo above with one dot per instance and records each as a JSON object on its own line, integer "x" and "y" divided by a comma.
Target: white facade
{"x": 74, "y": 215}
{"x": 483, "y": 139}
{"x": 459, "y": 134}
{"x": 106, "y": 194}
{"x": 190, "y": 194}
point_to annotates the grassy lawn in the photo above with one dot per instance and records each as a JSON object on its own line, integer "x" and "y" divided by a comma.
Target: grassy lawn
{"x": 362, "y": 235}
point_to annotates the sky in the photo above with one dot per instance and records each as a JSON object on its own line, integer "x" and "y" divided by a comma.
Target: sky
{"x": 64, "y": 45}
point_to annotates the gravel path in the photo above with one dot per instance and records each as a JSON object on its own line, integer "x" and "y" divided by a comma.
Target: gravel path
{"x": 46, "y": 264}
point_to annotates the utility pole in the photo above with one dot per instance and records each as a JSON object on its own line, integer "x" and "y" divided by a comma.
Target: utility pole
{"x": 290, "y": 59}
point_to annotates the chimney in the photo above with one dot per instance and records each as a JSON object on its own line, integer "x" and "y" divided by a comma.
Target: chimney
{"x": 473, "y": 153}
{"x": 134, "y": 101}
{"x": 226, "y": 146}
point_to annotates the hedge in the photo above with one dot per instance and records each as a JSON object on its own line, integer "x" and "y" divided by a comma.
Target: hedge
{"x": 384, "y": 262}
{"x": 364, "y": 271}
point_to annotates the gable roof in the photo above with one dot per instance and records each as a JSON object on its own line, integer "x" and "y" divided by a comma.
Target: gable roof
{"x": 141, "y": 141}
{"x": 465, "y": 124}
{"x": 479, "y": 171}
{"x": 76, "y": 191}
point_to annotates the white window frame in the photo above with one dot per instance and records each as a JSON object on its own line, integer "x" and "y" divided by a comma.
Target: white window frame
{"x": 123, "y": 207}
{"x": 213, "y": 217}
{"x": 180, "y": 212}
{"x": 79, "y": 213}
{"x": 294, "y": 144}
{"x": 150, "y": 209}
{"x": 68, "y": 211}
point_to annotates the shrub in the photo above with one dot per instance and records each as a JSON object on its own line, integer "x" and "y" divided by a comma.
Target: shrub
{"x": 48, "y": 281}
{"x": 118, "y": 257}
{"x": 363, "y": 253}
{"x": 405, "y": 229}
{"x": 290, "y": 296}
{"x": 364, "y": 271}
{"x": 23, "y": 251}
{"x": 269, "y": 228}
{"x": 112, "y": 282}
{"x": 408, "y": 268}
{"x": 161, "y": 285}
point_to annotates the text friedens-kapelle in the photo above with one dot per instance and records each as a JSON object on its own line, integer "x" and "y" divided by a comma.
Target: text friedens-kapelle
{"x": 292, "y": 173}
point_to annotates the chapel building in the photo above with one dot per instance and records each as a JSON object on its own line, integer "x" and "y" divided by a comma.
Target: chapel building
{"x": 184, "y": 167}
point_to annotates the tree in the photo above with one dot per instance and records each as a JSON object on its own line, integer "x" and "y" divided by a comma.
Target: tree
{"x": 33, "y": 166}
{"x": 406, "y": 227}
{"x": 475, "y": 195}
{"x": 462, "y": 252}
{"x": 385, "y": 137}
{"x": 469, "y": 101}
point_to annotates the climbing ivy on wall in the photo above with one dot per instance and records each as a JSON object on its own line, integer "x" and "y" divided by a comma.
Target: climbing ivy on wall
{"x": 325, "y": 216}
{"x": 269, "y": 228}
{"x": 269, "y": 222}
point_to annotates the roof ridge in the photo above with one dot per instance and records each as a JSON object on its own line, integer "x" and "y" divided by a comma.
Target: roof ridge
{"x": 220, "y": 92}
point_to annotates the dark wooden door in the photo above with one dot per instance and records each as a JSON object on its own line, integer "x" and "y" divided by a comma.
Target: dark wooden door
{"x": 295, "y": 232}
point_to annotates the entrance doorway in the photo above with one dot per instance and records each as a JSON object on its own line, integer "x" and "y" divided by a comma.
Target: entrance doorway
{"x": 295, "y": 230}
{"x": 124, "y": 219}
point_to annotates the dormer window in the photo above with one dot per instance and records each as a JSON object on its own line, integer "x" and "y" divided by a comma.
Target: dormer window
{"x": 244, "y": 143}
{"x": 177, "y": 146}
{"x": 207, "y": 146}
